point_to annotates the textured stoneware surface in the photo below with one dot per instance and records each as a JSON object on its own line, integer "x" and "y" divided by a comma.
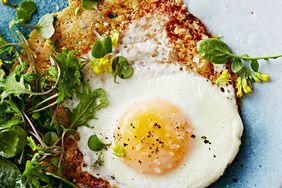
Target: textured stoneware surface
{"x": 253, "y": 27}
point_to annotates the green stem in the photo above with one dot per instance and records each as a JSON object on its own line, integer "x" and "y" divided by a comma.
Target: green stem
{"x": 255, "y": 58}
{"x": 44, "y": 101}
{"x": 29, "y": 26}
{"x": 45, "y": 107}
{"x": 11, "y": 5}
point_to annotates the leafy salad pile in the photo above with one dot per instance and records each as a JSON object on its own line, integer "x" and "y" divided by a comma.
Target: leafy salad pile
{"x": 33, "y": 120}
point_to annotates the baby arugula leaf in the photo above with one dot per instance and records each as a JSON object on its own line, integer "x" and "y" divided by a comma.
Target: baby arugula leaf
{"x": 33, "y": 173}
{"x": 10, "y": 177}
{"x": 45, "y": 26}
{"x": 90, "y": 102}
{"x": 90, "y": 4}
{"x": 25, "y": 10}
{"x": 95, "y": 144}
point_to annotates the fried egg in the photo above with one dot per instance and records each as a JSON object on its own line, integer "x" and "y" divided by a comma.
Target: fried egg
{"x": 177, "y": 129}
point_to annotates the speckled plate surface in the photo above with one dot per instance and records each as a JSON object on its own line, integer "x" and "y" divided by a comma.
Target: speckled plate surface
{"x": 253, "y": 27}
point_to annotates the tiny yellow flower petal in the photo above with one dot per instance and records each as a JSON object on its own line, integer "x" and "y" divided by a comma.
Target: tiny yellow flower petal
{"x": 223, "y": 79}
{"x": 96, "y": 69}
{"x": 1, "y": 62}
{"x": 115, "y": 39}
{"x": 256, "y": 78}
{"x": 263, "y": 77}
{"x": 239, "y": 87}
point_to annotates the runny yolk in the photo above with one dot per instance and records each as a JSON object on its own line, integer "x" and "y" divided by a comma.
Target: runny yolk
{"x": 156, "y": 136}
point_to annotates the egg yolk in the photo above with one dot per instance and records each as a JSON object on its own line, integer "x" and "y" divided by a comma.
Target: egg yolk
{"x": 156, "y": 136}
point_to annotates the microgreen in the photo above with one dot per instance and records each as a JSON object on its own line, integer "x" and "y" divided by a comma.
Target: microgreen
{"x": 246, "y": 67}
{"x": 99, "y": 161}
{"x": 95, "y": 144}
{"x": 119, "y": 151}
{"x": 45, "y": 26}
{"x": 121, "y": 68}
{"x": 90, "y": 4}
{"x": 25, "y": 10}
{"x": 102, "y": 47}
{"x": 90, "y": 102}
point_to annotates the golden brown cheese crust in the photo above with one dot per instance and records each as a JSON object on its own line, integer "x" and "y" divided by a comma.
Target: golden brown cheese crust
{"x": 76, "y": 33}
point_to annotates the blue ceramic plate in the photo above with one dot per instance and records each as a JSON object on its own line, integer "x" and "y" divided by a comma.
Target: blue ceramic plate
{"x": 252, "y": 27}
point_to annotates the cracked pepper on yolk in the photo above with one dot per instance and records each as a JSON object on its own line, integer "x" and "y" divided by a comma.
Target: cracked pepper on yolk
{"x": 156, "y": 136}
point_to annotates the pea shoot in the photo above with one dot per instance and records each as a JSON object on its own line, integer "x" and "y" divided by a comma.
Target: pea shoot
{"x": 246, "y": 67}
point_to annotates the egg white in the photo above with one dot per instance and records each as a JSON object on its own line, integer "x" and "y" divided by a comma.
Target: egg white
{"x": 212, "y": 115}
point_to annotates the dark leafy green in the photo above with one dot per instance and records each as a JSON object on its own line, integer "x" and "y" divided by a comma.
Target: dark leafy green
{"x": 25, "y": 10}
{"x": 10, "y": 176}
{"x": 13, "y": 141}
{"x": 122, "y": 68}
{"x": 90, "y": 102}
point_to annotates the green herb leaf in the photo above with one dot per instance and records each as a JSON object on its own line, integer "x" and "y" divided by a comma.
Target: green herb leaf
{"x": 45, "y": 26}
{"x": 119, "y": 151}
{"x": 10, "y": 115}
{"x": 70, "y": 76}
{"x": 122, "y": 68}
{"x": 90, "y": 102}
{"x": 50, "y": 138}
{"x": 214, "y": 50}
{"x": 13, "y": 141}
{"x": 9, "y": 174}
{"x": 34, "y": 173}
{"x": 102, "y": 47}
{"x": 25, "y": 10}
{"x": 95, "y": 144}
{"x": 14, "y": 84}
{"x": 237, "y": 65}
{"x": 255, "y": 65}
{"x": 90, "y": 4}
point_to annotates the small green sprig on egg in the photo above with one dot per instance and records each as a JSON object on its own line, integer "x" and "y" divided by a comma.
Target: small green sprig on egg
{"x": 246, "y": 67}
{"x": 103, "y": 60}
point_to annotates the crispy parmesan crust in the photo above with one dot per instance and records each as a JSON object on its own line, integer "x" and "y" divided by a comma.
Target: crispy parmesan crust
{"x": 76, "y": 33}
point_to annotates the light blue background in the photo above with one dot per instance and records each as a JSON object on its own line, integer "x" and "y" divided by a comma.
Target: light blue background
{"x": 259, "y": 162}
